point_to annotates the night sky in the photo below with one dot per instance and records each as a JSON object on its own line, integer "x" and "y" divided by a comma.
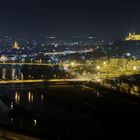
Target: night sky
{"x": 64, "y": 18}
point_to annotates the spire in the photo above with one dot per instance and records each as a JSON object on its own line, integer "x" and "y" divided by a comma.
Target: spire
{"x": 15, "y": 45}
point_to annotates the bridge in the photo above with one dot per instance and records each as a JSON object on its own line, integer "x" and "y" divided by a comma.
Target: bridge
{"x": 49, "y": 81}
{"x": 12, "y": 70}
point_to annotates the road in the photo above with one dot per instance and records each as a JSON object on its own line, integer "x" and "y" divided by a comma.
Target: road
{"x": 20, "y": 63}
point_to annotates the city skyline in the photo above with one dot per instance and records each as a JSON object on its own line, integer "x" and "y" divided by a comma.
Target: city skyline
{"x": 69, "y": 69}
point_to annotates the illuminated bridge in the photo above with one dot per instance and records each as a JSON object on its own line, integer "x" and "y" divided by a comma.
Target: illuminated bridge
{"x": 12, "y": 70}
{"x": 49, "y": 81}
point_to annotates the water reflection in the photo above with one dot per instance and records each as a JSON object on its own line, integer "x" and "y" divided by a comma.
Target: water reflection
{"x": 17, "y": 97}
{"x": 35, "y": 122}
{"x": 27, "y": 106}
{"x": 46, "y": 110}
{"x": 12, "y": 106}
{"x": 12, "y": 120}
{"x": 30, "y": 97}
{"x": 42, "y": 97}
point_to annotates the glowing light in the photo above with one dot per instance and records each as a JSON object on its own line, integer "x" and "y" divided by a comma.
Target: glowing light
{"x": 66, "y": 68}
{"x": 98, "y": 80}
{"x": 12, "y": 120}
{"x": 72, "y": 63}
{"x": 35, "y": 122}
{"x": 3, "y": 58}
{"x": 42, "y": 97}
{"x": 98, "y": 67}
{"x": 30, "y": 97}
{"x": 133, "y": 36}
{"x": 134, "y": 68}
{"x": 128, "y": 54}
{"x": 104, "y": 63}
{"x": 15, "y": 45}
{"x": 12, "y": 106}
{"x": 17, "y": 97}
{"x": 84, "y": 73}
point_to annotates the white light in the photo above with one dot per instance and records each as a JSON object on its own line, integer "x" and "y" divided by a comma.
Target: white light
{"x": 3, "y": 58}
{"x": 98, "y": 67}
{"x": 72, "y": 63}
{"x": 134, "y": 68}
{"x": 104, "y": 62}
{"x": 12, "y": 106}
{"x": 35, "y": 122}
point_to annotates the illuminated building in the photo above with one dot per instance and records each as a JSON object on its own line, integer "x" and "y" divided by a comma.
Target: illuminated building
{"x": 3, "y": 58}
{"x": 133, "y": 36}
{"x": 15, "y": 45}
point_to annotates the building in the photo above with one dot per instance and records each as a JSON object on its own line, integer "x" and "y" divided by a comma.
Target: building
{"x": 125, "y": 48}
{"x": 133, "y": 36}
{"x": 15, "y": 45}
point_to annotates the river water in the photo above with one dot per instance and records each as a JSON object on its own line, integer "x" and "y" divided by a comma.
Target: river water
{"x": 64, "y": 111}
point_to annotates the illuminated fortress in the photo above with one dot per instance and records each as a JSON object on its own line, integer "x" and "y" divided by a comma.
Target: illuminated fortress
{"x": 133, "y": 36}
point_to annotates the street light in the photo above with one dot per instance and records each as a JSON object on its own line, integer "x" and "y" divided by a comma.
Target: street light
{"x": 98, "y": 67}
{"x": 104, "y": 63}
{"x": 72, "y": 63}
{"x": 134, "y": 68}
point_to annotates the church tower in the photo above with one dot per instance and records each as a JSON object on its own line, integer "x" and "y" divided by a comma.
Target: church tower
{"x": 15, "y": 45}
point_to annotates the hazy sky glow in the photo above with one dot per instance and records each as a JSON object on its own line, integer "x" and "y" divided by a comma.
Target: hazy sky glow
{"x": 35, "y": 18}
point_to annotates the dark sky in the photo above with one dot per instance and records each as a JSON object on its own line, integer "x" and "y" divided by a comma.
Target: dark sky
{"x": 37, "y": 18}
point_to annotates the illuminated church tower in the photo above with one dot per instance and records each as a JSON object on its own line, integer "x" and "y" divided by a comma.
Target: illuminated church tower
{"x": 15, "y": 45}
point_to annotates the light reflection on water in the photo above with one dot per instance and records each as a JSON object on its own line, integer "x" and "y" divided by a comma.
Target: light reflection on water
{"x": 24, "y": 104}
{"x": 42, "y": 97}
{"x": 59, "y": 110}
{"x": 29, "y": 104}
{"x": 30, "y": 97}
{"x": 17, "y": 97}
{"x": 43, "y": 109}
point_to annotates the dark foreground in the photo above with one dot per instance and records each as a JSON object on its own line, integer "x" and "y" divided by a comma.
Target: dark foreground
{"x": 69, "y": 112}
